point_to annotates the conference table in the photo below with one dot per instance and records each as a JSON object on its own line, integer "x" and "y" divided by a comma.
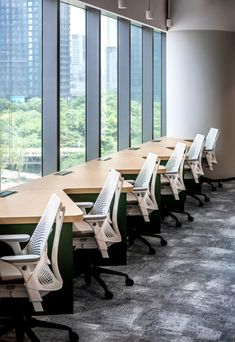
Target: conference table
{"x": 21, "y": 211}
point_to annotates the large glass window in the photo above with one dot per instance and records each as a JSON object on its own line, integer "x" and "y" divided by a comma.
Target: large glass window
{"x": 72, "y": 85}
{"x": 136, "y": 85}
{"x": 157, "y": 81}
{"x": 20, "y": 91}
{"x": 108, "y": 85}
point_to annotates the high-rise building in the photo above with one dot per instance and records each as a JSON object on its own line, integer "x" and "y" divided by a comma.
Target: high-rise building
{"x": 136, "y": 63}
{"x": 111, "y": 75}
{"x": 65, "y": 60}
{"x": 20, "y": 49}
{"x": 77, "y": 68}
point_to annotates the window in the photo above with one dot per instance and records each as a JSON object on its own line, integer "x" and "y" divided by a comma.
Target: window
{"x": 20, "y": 103}
{"x": 136, "y": 85}
{"x": 157, "y": 86}
{"x": 21, "y": 93}
{"x": 108, "y": 85}
{"x": 72, "y": 86}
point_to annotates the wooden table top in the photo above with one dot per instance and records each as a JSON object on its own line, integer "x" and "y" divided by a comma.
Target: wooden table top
{"x": 169, "y": 142}
{"x": 27, "y": 205}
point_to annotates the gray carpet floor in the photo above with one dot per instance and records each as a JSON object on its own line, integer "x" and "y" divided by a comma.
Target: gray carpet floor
{"x": 185, "y": 292}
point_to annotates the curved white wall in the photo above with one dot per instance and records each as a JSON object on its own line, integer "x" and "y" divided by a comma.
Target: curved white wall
{"x": 203, "y": 15}
{"x": 201, "y": 77}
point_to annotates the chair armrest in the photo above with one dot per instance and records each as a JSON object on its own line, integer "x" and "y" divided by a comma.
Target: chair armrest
{"x": 189, "y": 160}
{"x": 94, "y": 217}
{"x": 84, "y": 204}
{"x": 14, "y": 238}
{"x": 170, "y": 173}
{"x": 139, "y": 189}
{"x": 21, "y": 259}
{"x": 131, "y": 181}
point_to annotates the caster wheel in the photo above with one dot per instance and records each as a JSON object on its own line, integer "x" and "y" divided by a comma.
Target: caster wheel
{"x": 213, "y": 189}
{"x": 220, "y": 185}
{"x": 152, "y": 251}
{"x": 201, "y": 204}
{"x": 163, "y": 242}
{"x": 129, "y": 282}
{"x": 178, "y": 224}
{"x": 108, "y": 295}
{"x": 207, "y": 199}
{"x": 190, "y": 218}
{"x": 73, "y": 337}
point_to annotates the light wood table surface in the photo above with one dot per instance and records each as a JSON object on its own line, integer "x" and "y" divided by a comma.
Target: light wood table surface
{"x": 169, "y": 142}
{"x": 28, "y": 204}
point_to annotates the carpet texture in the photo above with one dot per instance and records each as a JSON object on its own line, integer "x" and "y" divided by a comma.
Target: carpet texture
{"x": 183, "y": 293}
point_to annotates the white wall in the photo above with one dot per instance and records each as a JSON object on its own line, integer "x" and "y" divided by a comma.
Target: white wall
{"x": 203, "y": 15}
{"x": 201, "y": 74}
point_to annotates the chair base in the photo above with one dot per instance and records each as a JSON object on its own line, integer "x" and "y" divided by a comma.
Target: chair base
{"x": 169, "y": 212}
{"x": 23, "y": 327}
{"x": 196, "y": 194}
{"x": 134, "y": 234}
{"x": 210, "y": 182}
{"x": 220, "y": 181}
{"x": 93, "y": 271}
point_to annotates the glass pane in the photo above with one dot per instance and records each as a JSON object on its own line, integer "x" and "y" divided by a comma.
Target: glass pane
{"x": 20, "y": 91}
{"x": 108, "y": 85}
{"x": 157, "y": 86}
{"x": 72, "y": 86}
{"x": 136, "y": 85}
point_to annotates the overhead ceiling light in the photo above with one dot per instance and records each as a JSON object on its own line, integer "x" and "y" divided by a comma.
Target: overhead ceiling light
{"x": 149, "y": 12}
{"x": 122, "y": 4}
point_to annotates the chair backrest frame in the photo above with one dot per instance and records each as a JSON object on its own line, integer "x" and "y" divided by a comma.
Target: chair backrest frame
{"x": 211, "y": 139}
{"x": 144, "y": 177}
{"x": 175, "y": 160}
{"x": 196, "y": 148}
{"x": 105, "y": 197}
{"x": 210, "y": 145}
{"x": 174, "y": 169}
{"x": 39, "y": 238}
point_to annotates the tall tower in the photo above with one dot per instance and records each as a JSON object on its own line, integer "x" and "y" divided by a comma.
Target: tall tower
{"x": 65, "y": 50}
{"x": 20, "y": 49}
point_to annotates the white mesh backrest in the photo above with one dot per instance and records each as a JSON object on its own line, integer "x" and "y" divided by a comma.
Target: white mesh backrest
{"x": 38, "y": 240}
{"x": 103, "y": 201}
{"x": 173, "y": 163}
{"x": 211, "y": 138}
{"x": 196, "y": 147}
{"x": 145, "y": 174}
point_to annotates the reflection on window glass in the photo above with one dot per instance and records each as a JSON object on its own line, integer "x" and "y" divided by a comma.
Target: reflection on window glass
{"x": 20, "y": 91}
{"x": 157, "y": 86}
{"x": 72, "y": 86}
{"x": 108, "y": 85}
{"x": 136, "y": 85}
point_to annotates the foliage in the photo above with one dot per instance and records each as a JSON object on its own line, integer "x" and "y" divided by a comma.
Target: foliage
{"x": 21, "y": 132}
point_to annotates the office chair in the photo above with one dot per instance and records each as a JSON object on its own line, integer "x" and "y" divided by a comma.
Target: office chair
{"x": 172, "y": 183}
{"x": 30, "y": 274}
{"x": 210, "y": 157}
{"x": 193, "y": 169}
{"x": 141, "y": 201}
{"x": 99, "y": 230}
